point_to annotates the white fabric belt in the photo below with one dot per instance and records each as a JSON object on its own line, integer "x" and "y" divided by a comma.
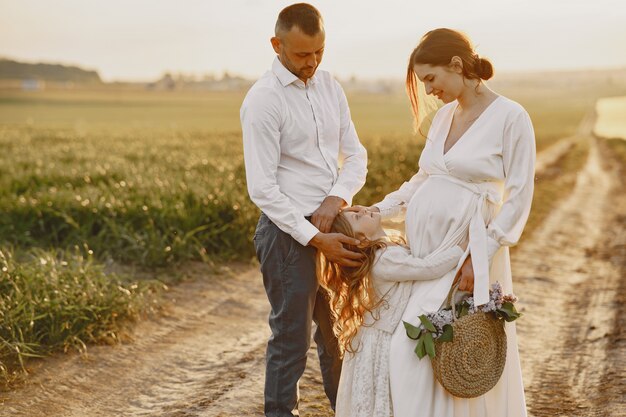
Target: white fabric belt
{"x": 487, "y": 192}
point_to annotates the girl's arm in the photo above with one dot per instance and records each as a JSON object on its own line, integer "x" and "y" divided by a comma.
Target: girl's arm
{"x": 396, "y": 263}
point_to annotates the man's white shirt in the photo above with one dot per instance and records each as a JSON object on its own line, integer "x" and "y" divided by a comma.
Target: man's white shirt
{"x": 300, "y": 146}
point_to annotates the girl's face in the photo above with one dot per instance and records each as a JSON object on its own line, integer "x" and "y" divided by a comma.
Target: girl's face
{"x": 443, "y": 82}
{"x": 364, "y": 224}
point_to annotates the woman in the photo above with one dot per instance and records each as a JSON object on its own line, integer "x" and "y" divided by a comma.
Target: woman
{"x": 476, "y": 176}
{"x": 367, "y": 304}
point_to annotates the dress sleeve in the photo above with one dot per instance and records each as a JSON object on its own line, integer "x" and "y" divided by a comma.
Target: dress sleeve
{"x": 396, "y": 264}
{"x": 518, "y": 154}
{"x": 394, "y": 204}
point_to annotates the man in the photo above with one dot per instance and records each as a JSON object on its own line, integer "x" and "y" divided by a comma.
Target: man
{"x": 304, "y": 162}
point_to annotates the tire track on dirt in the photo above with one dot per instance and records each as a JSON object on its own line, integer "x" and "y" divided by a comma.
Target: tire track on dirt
{"x": 567, "y": 294}
{"x": 212, "y": 338}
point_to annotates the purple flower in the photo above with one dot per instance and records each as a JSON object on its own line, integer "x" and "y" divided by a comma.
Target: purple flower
{"x": 490, "y": 306}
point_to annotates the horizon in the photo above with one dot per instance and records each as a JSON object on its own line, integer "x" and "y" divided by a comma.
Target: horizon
{"x": 232, "y": 74}
{"x": 205, "y": 37}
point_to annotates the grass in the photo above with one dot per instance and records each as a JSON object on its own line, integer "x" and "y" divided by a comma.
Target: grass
{"x": 553, "y": 121}
{"x": 556, "y": 183}
{"x": 60, "y": 301}
{"x": 155, "y": 180}
{"x": 152, "y": 201}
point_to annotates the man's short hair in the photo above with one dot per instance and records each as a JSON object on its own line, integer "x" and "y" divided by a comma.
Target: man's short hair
{"x": 302, "y": 15}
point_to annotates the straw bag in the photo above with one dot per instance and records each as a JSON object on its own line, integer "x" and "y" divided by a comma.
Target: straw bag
{"x": 472, "y": 363}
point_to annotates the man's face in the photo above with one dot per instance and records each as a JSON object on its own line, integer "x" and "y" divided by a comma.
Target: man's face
{"x": 300, "y": 53}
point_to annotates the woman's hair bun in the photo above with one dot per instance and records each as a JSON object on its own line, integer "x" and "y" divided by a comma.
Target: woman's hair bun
{"x": 484, "y": 69}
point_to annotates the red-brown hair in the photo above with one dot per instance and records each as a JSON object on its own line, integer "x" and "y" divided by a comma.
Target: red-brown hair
{"x": 437, "y": 48}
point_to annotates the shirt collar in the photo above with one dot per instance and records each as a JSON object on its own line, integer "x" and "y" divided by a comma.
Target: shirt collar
{"x": 286, "y": 77}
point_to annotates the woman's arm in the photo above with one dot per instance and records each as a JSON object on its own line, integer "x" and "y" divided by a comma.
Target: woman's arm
{"x": 394, "y": 204}
{"x": 518, "y": 155}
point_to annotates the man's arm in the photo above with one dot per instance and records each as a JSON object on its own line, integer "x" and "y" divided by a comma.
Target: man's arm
{"x": 261, "y": 115}
{"x": 353, "y": 161}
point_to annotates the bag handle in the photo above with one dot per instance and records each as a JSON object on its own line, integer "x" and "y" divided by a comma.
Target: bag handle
{"x": 450, "y": 298}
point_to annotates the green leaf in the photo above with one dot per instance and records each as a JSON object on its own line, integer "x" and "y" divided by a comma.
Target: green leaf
{"x": 412, "y": 332}
{"x": 509, "y": 312}
{"x": 512, "y": 318}
{"x": 419, "y": 349}
{"x": 448, "y": 334}
{"x": 464, "y": 310}
{"x": 429, "y": 344}
{"x": 427, "y": 323}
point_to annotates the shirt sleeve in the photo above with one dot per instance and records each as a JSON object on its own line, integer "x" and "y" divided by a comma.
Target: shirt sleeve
{"x": 261, "y": 118}
{"x": 352, "y": 154}
{"x": 393, "y": 206}
{"x": 518, "y": 154}
{"x": 397, "y": 264}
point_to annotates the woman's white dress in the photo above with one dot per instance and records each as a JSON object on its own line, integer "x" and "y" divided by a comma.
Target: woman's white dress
{"x": 364, "y": 384}
{"x": 482, "y": 186}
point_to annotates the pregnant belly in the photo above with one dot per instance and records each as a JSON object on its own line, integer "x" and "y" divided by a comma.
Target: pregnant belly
{"x": 437, "y": 215}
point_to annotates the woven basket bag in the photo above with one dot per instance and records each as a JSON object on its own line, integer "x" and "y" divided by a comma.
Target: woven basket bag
{"x": 472, "y": 363}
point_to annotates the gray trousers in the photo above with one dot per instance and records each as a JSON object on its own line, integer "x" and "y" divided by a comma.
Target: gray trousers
{"x": 296, "y": 300}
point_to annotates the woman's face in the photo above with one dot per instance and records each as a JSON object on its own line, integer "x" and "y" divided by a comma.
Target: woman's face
{"x": 364, "y": 223}
{"x": 443, "y": 82}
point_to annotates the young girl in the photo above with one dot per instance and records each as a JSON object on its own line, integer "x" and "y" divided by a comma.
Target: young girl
{"x": 368, "y": 302}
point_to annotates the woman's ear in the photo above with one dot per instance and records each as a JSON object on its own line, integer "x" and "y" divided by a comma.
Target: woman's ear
{"x": 456, "y": 64}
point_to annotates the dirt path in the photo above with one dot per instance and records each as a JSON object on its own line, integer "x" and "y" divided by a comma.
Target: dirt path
{"x": 206, "y": 350}
{"x": 569, "y": 287}
{"x": 206, "y": 356}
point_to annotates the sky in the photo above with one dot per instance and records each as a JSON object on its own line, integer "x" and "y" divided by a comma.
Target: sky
{"x": 135, "y": 40}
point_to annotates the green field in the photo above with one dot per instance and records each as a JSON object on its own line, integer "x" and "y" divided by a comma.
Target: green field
{"x": 157, "y": 178}
{"x": 152, "y": 179}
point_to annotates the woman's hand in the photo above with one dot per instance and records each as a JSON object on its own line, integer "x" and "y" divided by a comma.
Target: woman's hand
{"x": 466, "y": 276}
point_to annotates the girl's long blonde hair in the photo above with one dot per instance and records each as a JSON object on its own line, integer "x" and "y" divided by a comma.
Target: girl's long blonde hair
{"x": 350, "y": 288}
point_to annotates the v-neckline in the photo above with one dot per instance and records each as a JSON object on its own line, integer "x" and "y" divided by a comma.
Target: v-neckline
{"x": 443, "y": 149}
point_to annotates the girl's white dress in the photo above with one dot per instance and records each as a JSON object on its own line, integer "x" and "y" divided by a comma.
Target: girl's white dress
{"x": 483, "y": 185}
{"x": 364, "y": 384}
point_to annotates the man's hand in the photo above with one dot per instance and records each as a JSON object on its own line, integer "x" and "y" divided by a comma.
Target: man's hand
{"x": 324, "y": 216}
{"x": 331, "y": 245}
{"x": 466, "y": 276}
